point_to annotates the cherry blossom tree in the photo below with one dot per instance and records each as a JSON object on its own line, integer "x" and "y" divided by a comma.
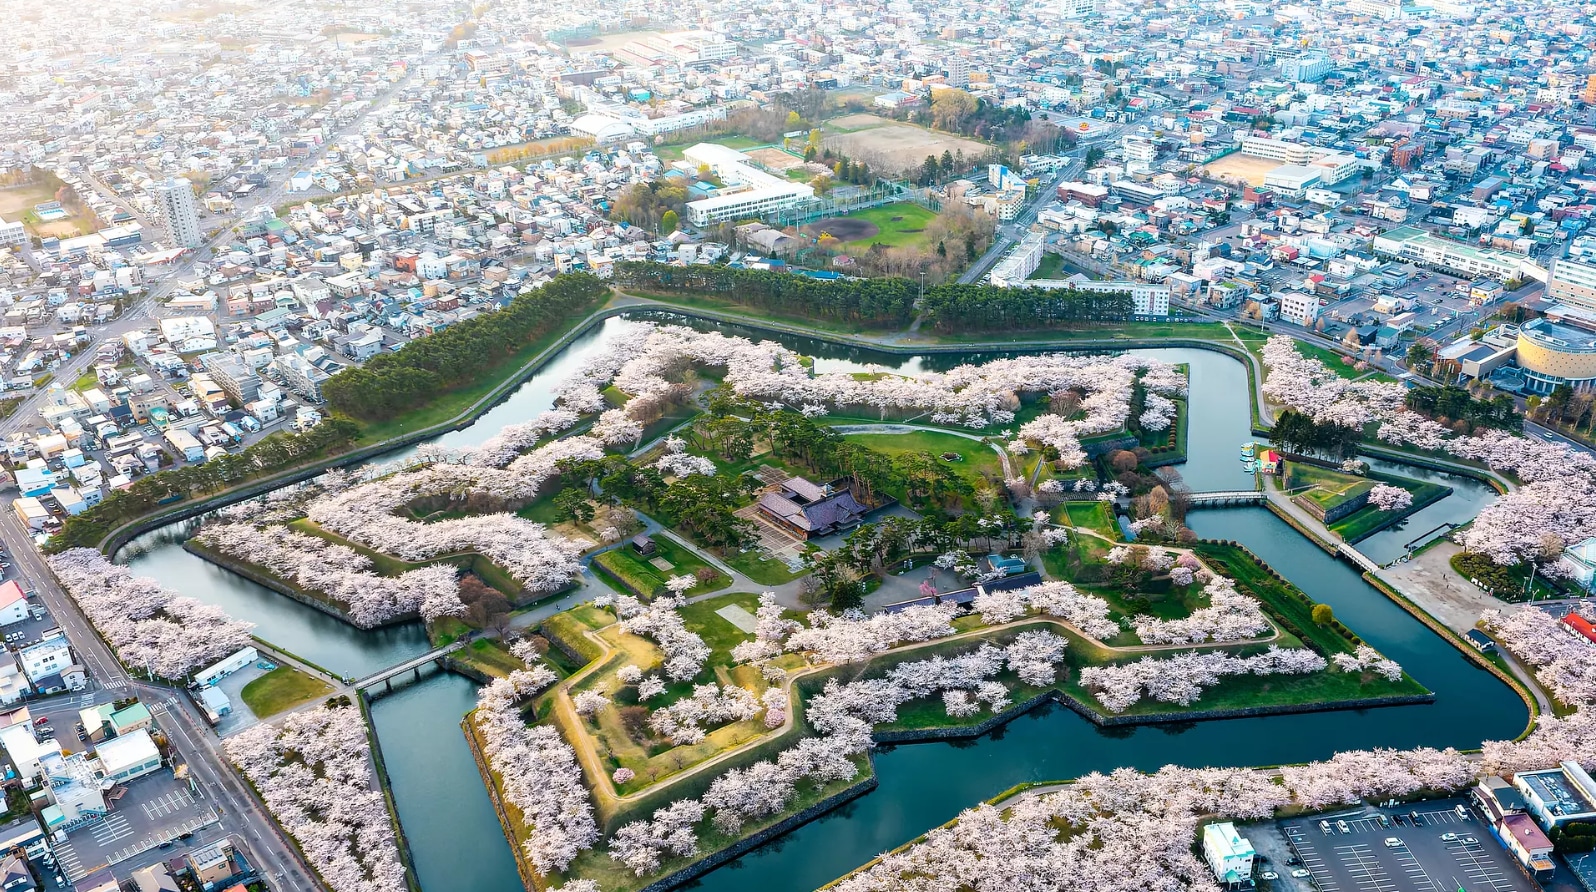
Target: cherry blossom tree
{"x": 588, "y": 703}
{"x": 151, "y": 628}
{"x": 1390, "y": 498}
{"x": 1229, "y": 616}
{"x": 313, "y": 771}
{"x": 1366, "y": 658}
{"x": 539, "y": 772}
{"x": 340, "y": 574}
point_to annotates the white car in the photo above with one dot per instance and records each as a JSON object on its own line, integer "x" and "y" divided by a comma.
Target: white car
{"x": 1449, "y": 837}
{"x": 1391, "y": 842}
{"x": 1268, "y": 875}
{"x": 1301, "y": 873}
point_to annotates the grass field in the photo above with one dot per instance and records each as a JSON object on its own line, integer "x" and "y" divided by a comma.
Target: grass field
{"x": 977, "y": 461}
{"x": 1050, "y": 267}
{"x": 489, "y": 656}
{"x": 761, "y": 569}
{"x": 636, "y": 573}
{"x": 898, "y": 225}
{"x": 282, "y": 689}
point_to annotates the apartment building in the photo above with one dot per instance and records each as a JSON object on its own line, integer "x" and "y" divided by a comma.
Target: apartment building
{"x": 1017, "y": 266}
{"x": 175, "y": 199}
{"x": 1573, "y": 282}
{"x": 1300, "y": 307}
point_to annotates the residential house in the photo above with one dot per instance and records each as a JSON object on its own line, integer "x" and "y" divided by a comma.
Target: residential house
{"x": 13, "y": 603}
{"x": 49, "y": 665}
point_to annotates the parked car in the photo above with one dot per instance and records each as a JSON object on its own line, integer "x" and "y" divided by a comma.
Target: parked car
{"x": 1392, "y": 842}
{"x": 1449, "y": 837}
{"x": 1268, "y": 875}
{"x": 1301, "y": 873}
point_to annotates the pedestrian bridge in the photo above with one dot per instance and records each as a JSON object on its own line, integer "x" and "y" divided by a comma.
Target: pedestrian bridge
{"x": 1364, "y": 562}
{"x": 435, "y": 656}
{"x": 1232, "y": 497}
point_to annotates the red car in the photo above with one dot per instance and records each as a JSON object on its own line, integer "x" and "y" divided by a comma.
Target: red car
{"x": 42, "y": 720}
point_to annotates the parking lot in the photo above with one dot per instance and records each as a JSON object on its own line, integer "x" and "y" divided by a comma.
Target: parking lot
{"x": 155, "y": 810}
{"x": 1388, "y": 851}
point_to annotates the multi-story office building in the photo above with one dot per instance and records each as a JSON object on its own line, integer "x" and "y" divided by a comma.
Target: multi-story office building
{"x": 1077, "y": 9}
{"x": 175, "y": 198}
{"x": 1419, "y": 246}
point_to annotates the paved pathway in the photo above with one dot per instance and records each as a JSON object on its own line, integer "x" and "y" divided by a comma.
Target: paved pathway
{"x": 1429, "y": 581}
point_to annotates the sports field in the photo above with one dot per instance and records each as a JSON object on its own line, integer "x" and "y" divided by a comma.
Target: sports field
{"x": 891, "y": 146}
{"x": 896, "y": 225}
{"x": 1239, "y": 168}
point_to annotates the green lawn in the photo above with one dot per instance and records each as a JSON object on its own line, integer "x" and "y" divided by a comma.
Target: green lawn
{"x": 1051, "y": 267}
{"x": 1328, "y": 488}
{"x": 633, "y": 571}
{"x": 901, "y": 224}
{"x": 1097, "y": 516}
{"x": 716, "y": 630}
{"x": 489, "y": 656}
{"x": 977, "y": 460}
{"x": 761, "y": 569}
{"x": 1362, "y": 522}
{"x": 282, "y": 689}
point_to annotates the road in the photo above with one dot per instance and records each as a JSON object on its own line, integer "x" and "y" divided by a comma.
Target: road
{"x": 242, "y": 814}
{"x": 136, "y": 316}
{"x": 1012, "y": 231}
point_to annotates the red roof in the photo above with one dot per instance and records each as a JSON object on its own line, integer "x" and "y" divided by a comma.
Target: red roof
{"x": 10, "y": 593}
{"x": 1579, "y": 624}
{"x": 1529, "y": 837}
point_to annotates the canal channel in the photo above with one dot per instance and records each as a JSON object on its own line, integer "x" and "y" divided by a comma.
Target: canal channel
{"x": 451, "y": 826}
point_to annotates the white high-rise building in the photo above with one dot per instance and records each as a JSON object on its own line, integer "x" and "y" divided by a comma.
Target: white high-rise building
{"x": 958, "y": 71}
{"x": 1077, "y": 9}
{"x": 175, "y": 197}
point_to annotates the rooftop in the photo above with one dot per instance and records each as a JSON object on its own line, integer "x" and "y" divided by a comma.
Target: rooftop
{"x": 1559, "y": 336}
